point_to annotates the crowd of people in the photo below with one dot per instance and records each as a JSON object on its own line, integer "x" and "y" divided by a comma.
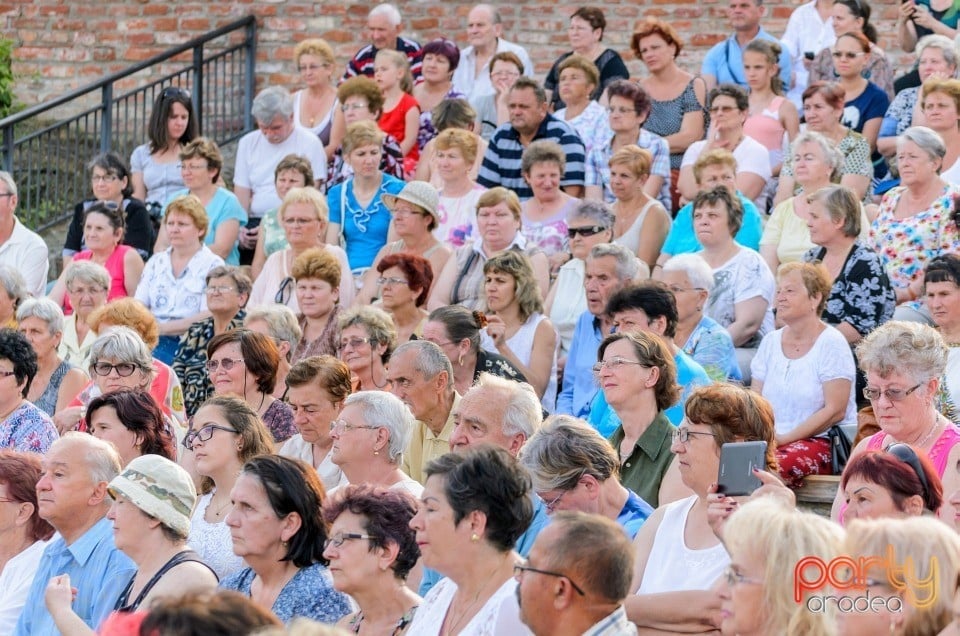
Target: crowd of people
{"x": 461, "y": 350}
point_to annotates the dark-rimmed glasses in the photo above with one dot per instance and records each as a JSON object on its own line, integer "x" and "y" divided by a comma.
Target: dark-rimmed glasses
{"x": 682, "y": 435}
{"x": 338, "y": 539}
{"x": 123, "y": 369}
{"x": 204, "y": 434}
{"x": 585, "y": 231}
{"x": 287, "y": 286}
{"x": 519, "y": 569}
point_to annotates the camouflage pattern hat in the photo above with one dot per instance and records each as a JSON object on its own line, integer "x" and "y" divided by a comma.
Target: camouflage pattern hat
{"x": 160, "y": 488}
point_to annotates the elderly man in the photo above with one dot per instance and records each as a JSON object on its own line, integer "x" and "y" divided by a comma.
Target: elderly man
{"x": 576, "y": 578}
{"x": 72, "y": 497}
{"x": 573, "y": 468}
{"x": 258, "y": 154}
{"x": 384, "y": 24}
{"x": 723, "y": 64}
{"x": 609, "y": 268}
{"x": 484, "y": 31}
{"x": 20, "y": 248}
{"x": 529, "y": 122}
{"x": 421, "y": 375}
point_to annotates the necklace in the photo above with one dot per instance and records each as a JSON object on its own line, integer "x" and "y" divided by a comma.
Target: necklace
{"x": 921, "y": 443}
{"x": 218, "y": 512}
{"x": 476, "y": 597}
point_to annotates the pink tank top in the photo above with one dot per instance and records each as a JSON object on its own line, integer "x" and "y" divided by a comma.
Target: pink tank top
{"x": 766, "y": 127}
{"x": 114, "y": 266}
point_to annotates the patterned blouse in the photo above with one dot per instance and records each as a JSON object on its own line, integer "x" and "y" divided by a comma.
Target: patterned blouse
{"x": 426, "y": 132}
{"x": 325, "y": 343}
{"x": 190, "y": 361}
{"x": 856, "y": 158}
{"x": 28, "y": 430}
{"x": 309, "y": 594}
{"x": 278, "y": 418}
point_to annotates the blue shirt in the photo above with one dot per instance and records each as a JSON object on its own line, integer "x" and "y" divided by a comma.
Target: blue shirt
{"x": 222, "y": 207}
{"x": 97, "y": 569}
{"x": 364, "y": 229}
{"x": 683, "y": 240}
{"x": 725, "y": 61}
{"x": 690, "y": 375}
{"x": 579, "y": 385}
{"x": 711, "y": 346}
{"x": 633, "y": 514}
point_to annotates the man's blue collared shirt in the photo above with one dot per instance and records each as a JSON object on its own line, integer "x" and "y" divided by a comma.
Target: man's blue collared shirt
{"x": 579, "y": 385}
{"x": 725, "y": 61}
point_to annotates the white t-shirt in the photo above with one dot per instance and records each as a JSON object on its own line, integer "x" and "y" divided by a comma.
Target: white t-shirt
{"x": 15, "y": 582}
{"x": 257, "y": 160}
{"x": 743, "y": 277}
{"x": 499, "y": 615}
{"x": 794, "y": 387}
{"x": 952, "y": 174}
{"x": 27, "y": 253}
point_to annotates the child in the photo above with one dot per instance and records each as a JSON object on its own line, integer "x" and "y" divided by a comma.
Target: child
{"x": 771, "y": 114}
{"x": 401, "y": 113}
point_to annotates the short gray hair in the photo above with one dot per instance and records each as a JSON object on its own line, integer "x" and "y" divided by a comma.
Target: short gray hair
{"x": 7, "y": 179}
{"x": 13, "y": 284}
{"x": 598, "y": 212}
{"x": 928, "y": 140}
{"x": 87, "y": 272}
{"x": 522, "y": 412}
{"x": 388, "y": 11}
{"x": 697, "y": 270}
{"x": 122, "y": 343}
{"x": 430, "y": 359}
{"x": 101, "y": 457}
{"x": 911, "y": 348}
{"x": 942, "y": 43}
{"x": 280, "y": 320}
{"x": 565, "y": 449}
{"x": 44, "y": 309}
{"x": 385, "y": 410}
{"x": 272, "y": 102}
{"x": 832, "y": 156}
{"x": 628, "y": 266}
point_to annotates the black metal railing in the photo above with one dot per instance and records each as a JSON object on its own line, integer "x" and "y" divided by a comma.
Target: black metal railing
{"x": 46, "y": 154}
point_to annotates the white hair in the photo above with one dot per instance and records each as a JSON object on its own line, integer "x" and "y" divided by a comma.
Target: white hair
{"x": 698, "y": 271}
{"x": 379, "y": 408}
{"x": 389, "y": 11}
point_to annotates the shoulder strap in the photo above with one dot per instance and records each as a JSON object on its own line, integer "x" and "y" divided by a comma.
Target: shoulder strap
{"x": 455, "y": 292}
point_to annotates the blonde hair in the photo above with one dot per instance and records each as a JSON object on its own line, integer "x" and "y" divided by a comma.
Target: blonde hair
{"x": 308, "y": 195}
{"x": 362, "y": 133}
{"x": 636, "y": 159}
{"x": 401, "y": 62}
{"x": 191, "y": 206}
{"x": 315, "y": 46}
{"x": 463, "y": 140}
{"x": 581, "y": 63}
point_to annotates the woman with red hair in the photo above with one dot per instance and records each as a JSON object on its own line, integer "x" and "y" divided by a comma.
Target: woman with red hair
{"x": 404, "y": 283}
{"x": 897, "y": 482}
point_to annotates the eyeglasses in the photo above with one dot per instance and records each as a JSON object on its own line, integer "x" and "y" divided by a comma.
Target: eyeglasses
{"x": 353, "y": 342}
{"x": 552, "y": 504}
{"x": 85, "y": 291}
{"x": 894, "y": 395}
{"x": 104, "y": 178}
{"x": 124, "y": 369}
{"x": 312, "y": 67}
{"x": 342, "y": 426}
{"x": 588, "y": 230}
{"x": 226, "y": 289}
{"x": 383, "y": 282}
{"x": 908, "y": 456}
{"x": 298, "y": 222}
{"x": 226, "y": 363}
{"x": 732, "y": 578}
{"x": 676, "y": 289}
{"x": 519, "y": 569}
{"x": 175, "y": 91}
{"x": 354, "y": 106}
{"x": 205, "y": 433}
{"x": 682, "y": 435}
{"x": 615, "y": 363}
{"x": 285, "y": 292}
{"x": 194, "y": 167}
{"x": 403, "y": 212}
{"x": 850, "y": 55}
{"x": 338, "y": 539}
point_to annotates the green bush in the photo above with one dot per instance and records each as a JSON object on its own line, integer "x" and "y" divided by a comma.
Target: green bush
{"x": 8, "y": 102}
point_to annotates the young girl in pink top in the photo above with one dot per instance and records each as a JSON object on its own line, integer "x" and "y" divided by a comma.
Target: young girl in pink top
{"x": 401, "y": 113}
{"x": 771, "y": 114}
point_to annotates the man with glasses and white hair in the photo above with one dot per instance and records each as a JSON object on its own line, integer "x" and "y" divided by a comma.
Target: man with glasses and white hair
{"x": 72, "y": 497}
{"x": 484, "y": 31}
{"x": 20, "y": 248}
{"x": 384, "y": 24}
{"x": 260, "y": 151}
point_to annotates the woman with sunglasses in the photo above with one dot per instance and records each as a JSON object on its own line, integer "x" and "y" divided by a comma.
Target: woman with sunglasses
{"x": 155, "y": 166}
{"x": 224, "y": 435}
{"x": 895, "y": 482}
{"x": 303, "y": 216}
{"x": 853, "y": 16}
{"x": 904, "y": 363}
{"x": 367, "y": 338}
{"x": 244, "y": 363}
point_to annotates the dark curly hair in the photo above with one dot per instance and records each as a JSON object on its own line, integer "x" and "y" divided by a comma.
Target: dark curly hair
{"x": 139, "y": 413}
{"x": 15, "y": 347}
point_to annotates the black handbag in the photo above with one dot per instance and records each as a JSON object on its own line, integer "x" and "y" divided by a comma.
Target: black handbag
{"x": 840, "y": 448}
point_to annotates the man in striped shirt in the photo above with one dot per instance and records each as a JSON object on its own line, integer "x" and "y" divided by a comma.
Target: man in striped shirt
{"x": 383, "y": 27}
{"x": 529, "y": 122}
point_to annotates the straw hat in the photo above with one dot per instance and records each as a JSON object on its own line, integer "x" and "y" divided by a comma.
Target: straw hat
{"x": 419, "y": 193}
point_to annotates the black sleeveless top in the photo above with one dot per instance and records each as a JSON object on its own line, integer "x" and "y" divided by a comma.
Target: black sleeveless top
{"x": 186, "y": 556}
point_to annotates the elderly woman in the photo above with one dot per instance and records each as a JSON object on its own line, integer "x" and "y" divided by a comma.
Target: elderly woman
{"x": 173, "y": 281}
{"x": 578, "y": 78}
{"x": 586, "y": 35}
{"x": 303, "y": 215}
{"x": 315, "y": 105}
{"x": 861, "y": 298}
{"x": 200, "y": 163}
{"x": 244, "y": 363}
{"x": 103, "y": 231}
{"x": 415, "y": 219}
{"x": 473, "y": 509}
{"x": 293, "y": 171}
{"x": 904, "y": 363}
{"x": 225, "y": 434}
{"x": 896, "y": 482}
{"x": 456, "y": 151}
{"x": 757, "y": 593}
{"x": 317, "y": 276}
{"x": 23, "y": 426}
{"x": 823, "y": 105}
{"x": 440, "y": 58}
{"x": 110, "y": 182}
{"x": 278, "y": 530}
{"x": 517, "y": 329}
{"x": 227, "y": 290}
{"x": 456, "y": 330}
{"x": 152, "y": 500}
{"x": 940, "y": 102}
{"x": 942, "y": 287}
{"x": 131, "y": 420}
{"x": 404, "y": 284}
{"x": 806, "y": 371}
{"x": 499, "y": 221}
{"x": 367, "y": 338}
{"x": 916, "y": 221}
{"x": 588, "y": 224}
{"x": 728, "y": 105}
{"x": 369, "y": 438}
{"x": 86, "y": 285}
{"x": 280, "y": 323}
{"x": 318, "y": 387}
{"x": 13, "y": 292}
{"x": 926, "y": 598}
{"x": 366, "y": 521}
{"x": 23, "y": 543}
{"x": 715, "y": 415}
{"x": 642, "y": 223}
{"x": 701, "y": 337}
{"x": 56, "y": 381}
{"x": 544, "y": 216}
{"x": 816, "y": 163}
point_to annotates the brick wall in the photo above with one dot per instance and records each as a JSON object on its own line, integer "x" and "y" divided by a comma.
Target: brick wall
{"x": 62, "y": 45}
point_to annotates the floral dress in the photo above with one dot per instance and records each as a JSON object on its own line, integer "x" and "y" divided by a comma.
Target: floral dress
{"x": 191, "y": 359}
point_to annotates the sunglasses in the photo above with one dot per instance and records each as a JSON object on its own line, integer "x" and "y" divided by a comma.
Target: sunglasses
{"x": 588, "y": 230}
{"x": 173, "y": 92}
{"x": 283, "y": 295}
{"x": 226, "y": 363}
{"x": 908, "y": 456}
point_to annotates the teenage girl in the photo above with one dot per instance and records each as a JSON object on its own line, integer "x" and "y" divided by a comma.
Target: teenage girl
{"x": 772, "y": 115}
{"x": 401, "y": 113}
